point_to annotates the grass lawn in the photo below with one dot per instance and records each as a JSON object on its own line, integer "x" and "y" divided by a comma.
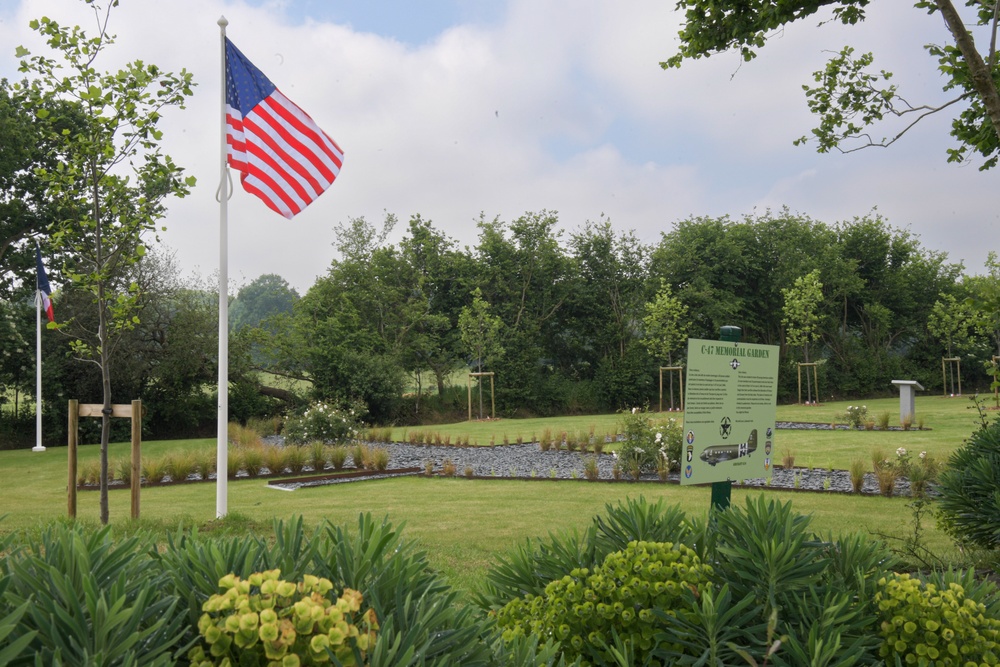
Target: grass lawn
{"x": 464, "y": 525}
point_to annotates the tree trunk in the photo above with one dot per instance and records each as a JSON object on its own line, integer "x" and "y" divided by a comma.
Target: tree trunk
{"x": 104, "y": 352}
{"x": 439, "y": 376}
{"x": 982, "y": 77}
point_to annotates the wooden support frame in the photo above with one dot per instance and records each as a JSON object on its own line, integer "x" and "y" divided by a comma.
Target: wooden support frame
{"x": 493, "y": 407}
{"x": 815, "y": 377}
{"x": 996, "y": 392}
{"x": 953, "y": 363}
{"x": 133, "y": 412}
{"x": 680, "y": 372}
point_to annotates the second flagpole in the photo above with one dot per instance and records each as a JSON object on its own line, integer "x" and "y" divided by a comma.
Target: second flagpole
{"x": 222, "y": 430}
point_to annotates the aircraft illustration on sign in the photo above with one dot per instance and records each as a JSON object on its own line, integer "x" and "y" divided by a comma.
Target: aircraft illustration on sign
{"x": 719, "y": 453}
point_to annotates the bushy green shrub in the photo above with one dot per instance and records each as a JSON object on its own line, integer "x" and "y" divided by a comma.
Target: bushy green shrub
{"x": 530, "y": 566}
{"x": 262, "y": 618}
{"x": 771, "y": 578}
{"x": 648, "y": 442}
{"x": 922, "y": 624}
{"x": 586, "y": 610}
{"x": 969, "y": 503}
{"x": 90, "y": 599}
{"x": 324, "y": 422}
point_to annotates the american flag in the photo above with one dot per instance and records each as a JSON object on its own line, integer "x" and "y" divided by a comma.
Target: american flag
{"x": 282, "y": 155}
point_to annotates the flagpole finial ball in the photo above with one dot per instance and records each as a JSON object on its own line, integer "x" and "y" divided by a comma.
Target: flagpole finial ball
{"x": 223, "y": 22}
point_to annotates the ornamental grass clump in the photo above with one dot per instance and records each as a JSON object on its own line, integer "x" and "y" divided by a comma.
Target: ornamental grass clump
{"x": 338, "y": 456}
{"x": 154, "y": 470}
{"x": 234, "y": 461}
{"x": 242, "y": 436}
{"x": 205, "y": 463}
{"x": 296, "y": 457}
{"x": 180, "y": 465}
{"x": 590, "y": 468}
{"x": 358, "y": 455}
{"x": 858, "y": 471}
{"x": 318, "y": 454}
{"x": 889, "y": 470}
{"x": 380, "y": 459}
{"x": 628, "y": 596}
{"x": 123, "y": 469}
{"x": 274, "y": 459}
{"x": 264, "y": 620}
{"x": 90, "y": 472}
{"x": 324, "y": 422}
{"x": 252, "y": 460}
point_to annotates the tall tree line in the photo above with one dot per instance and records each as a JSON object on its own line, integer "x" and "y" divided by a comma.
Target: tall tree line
{"x": 572, "y": 308}
{"x": 578, "y": 317}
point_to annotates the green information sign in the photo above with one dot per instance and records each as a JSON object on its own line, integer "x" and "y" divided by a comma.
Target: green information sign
{"x": 729, "y": 411}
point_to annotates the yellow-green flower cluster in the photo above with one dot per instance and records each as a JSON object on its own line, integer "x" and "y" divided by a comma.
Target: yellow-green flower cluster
{"x": 930, "y": 627}
{"x": 582, "y": 609}
{"x": 286, "y": 624}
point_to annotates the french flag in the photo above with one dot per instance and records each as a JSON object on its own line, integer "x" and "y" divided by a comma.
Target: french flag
{"x": 42, "y": 283}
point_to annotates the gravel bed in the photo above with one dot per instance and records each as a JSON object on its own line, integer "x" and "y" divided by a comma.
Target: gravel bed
{"x": 528, "y": 461}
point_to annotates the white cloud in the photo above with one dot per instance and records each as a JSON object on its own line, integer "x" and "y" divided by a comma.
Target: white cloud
{"x": 555, "y": 105}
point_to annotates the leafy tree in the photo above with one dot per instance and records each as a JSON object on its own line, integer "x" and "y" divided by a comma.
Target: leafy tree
{"x": 17, "y": 320}
{"x": 949, "y": 322}
{"x": 481, "y": 336}
{"x": 528, "y": 278}
{"x": 800, "y": 316}
{"x": 440, "y": 277}
{"x": 851, "y": 96}
{"x": 111, "y": 180}
{"x": 25, "y": 209}
{"x": 264, "y": 297}
{"x": 985, "y": 299}
{"x": 712, "y": 290}
{"x": 665, "y": 327}
{"x": 665, "y": 324}
{"x": 612, "y": 276}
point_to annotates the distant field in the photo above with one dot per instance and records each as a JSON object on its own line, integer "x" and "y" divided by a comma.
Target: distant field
{"x": 464, "y": 525}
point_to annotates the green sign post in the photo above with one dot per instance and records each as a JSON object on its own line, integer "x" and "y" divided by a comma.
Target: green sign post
{"x": 729, "y": 413}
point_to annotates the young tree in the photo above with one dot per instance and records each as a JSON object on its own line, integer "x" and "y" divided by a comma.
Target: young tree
{"x": 851, "y": 96}
{"x": 666, "y": 327}
{"x": 949, "y": 321}
{"x": 800, "y": 313}
{"x": 111, "y": 180}
{"x": 801, "y": 318}
{"x": 480, "y": 335}
{"x": 985, "y": 300}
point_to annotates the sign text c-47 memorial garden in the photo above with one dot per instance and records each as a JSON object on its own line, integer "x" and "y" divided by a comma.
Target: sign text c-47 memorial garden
{"x": 729, "y": 411}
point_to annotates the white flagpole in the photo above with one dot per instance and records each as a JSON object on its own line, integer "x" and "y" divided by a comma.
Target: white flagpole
{"x": 222, "y": 432}
{"x": 38, "y": 373}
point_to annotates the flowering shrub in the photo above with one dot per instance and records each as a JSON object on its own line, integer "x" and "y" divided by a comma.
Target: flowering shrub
{"x": 585, "y": 610}
{"x": 856, "y": 415}
{"x": 323, "y": 422}
{"x": 263, "y": 620}
{"x": 924, "y": 625}
{"x": 650, "y": 444}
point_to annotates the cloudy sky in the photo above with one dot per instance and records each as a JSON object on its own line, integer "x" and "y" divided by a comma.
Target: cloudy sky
{"x": 470, "y": 107}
